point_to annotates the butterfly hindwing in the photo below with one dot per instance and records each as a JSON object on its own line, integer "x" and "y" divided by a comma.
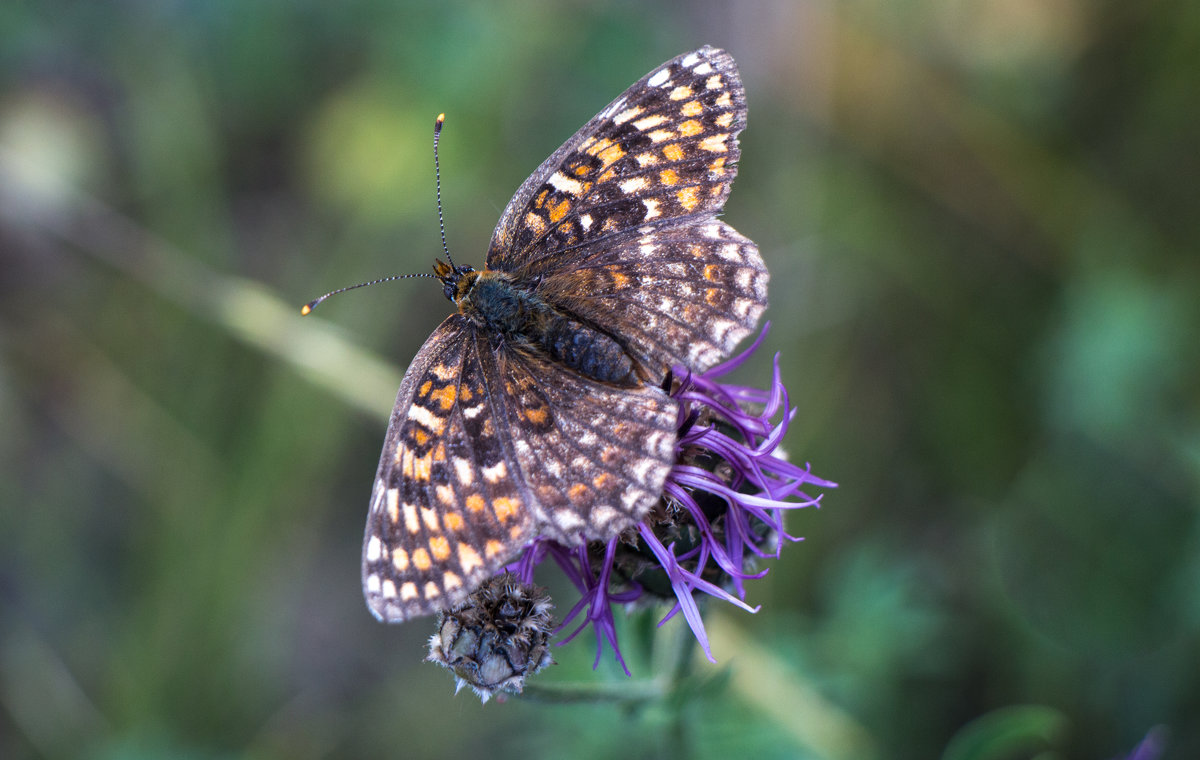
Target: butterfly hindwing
{"x": 681, "y": 295}
{"x": 594, "y": 456}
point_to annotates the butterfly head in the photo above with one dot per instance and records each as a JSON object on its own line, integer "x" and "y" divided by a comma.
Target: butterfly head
{"x": 457, "y": 280}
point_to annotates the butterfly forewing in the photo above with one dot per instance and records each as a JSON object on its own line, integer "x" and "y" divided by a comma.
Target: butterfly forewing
{"x": 666, "y": 148}
{"x": 448, "y": 507}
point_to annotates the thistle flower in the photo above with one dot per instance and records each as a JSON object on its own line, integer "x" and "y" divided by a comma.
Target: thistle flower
{"x": 722, "y": 513}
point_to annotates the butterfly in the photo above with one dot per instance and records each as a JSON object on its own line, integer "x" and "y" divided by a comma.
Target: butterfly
{"x": 537, "y": 409}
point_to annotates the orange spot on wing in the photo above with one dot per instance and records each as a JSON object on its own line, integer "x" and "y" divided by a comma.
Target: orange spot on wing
{"x": 578, "y": 492}
{"x": 505, "y": 507}
{"x": 475, "y": 503}
{"x": 599, "y": 146}
{"x": 668, "y": 176}
{"x": 420, "y": 436}
{"x": 492, "y": 548}
{"x": 690, "y": 127}
{"x": 687, "y": 198}
{"x": 691, "y": 108}
{"x": 453, "y": 520}
{"x": 537, "y": 415}
{"x": 711, "y": 272}
{"x": 420, "y": 559}
{"x": 673, "y": 152}
{"x": 611, "y": 154}
{"x": 440, "y": 548}
{"x": 445, "y": 396}
{"x": 425, "y": 386}
{"x": 603, "y": 481}
{"x": 400, "y": 559}
{"x": 559, "y": 210}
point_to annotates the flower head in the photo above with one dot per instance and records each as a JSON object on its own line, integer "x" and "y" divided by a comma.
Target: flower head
{"x": 721, "y": 514}
{"x": 495, "y": 639}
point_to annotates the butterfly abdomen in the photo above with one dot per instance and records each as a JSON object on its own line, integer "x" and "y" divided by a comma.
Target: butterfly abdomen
{"x": 519, "y": 314}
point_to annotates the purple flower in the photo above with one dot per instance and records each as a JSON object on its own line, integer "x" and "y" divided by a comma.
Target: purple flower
{"x": 722, "y": 512}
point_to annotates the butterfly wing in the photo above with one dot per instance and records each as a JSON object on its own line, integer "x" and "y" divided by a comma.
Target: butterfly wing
{"x": 593, "y": 456}
{"x": 488, "y": 448}
{"x": 682, "y": 295}
{"x": 666, "y": 149}
{"x": 448, "y": 506}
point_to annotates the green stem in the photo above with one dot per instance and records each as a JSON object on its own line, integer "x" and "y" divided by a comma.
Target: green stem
{"x": 628, "y": 692}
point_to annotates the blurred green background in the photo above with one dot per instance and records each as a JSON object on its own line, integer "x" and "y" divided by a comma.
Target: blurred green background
{"x": 981, "y": 221}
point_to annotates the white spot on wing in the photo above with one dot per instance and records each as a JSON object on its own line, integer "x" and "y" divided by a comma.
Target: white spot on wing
{"x": 568, "y": 522}
{"x": 652, "y": 120}
{"x": 565, "y": 184}
{"x": 633, "y": 185}
{"x": 374, "y": 549}
{"x": 603, "y": 515}
{"x": 464, "y": 471}
{"x": 657, "y": 78}
{"x": 702, "y": 69}
{"x": 420, "y": 414}
{"x": 616, "y": 106}
{"x": 690, "y": 60}
{"x": 495, "y": 472}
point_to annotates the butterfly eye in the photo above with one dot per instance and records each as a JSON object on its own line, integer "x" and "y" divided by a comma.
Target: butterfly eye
{"x": 449, "y": 291}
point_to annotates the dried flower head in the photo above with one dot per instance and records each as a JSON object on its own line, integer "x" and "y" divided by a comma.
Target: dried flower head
{"x": 496, "y": 638}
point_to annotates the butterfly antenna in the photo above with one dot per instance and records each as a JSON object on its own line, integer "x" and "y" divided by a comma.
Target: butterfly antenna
{"x": 308, "y": 307}
{"x": 437, "y": 178}
{"x": 437, "y": 174}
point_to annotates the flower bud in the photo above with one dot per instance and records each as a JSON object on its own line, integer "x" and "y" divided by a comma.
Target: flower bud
{"x": 496, "y": 638}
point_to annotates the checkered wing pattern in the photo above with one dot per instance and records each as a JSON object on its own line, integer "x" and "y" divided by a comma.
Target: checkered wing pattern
{"x": 492, "y": 443}
{"x": 593, "y": 456}
{"x": 489, "y": 447}
{"x": 684, "y": 294}
{"x": 666, "y": 149}
{"x": 448, "y": 506}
